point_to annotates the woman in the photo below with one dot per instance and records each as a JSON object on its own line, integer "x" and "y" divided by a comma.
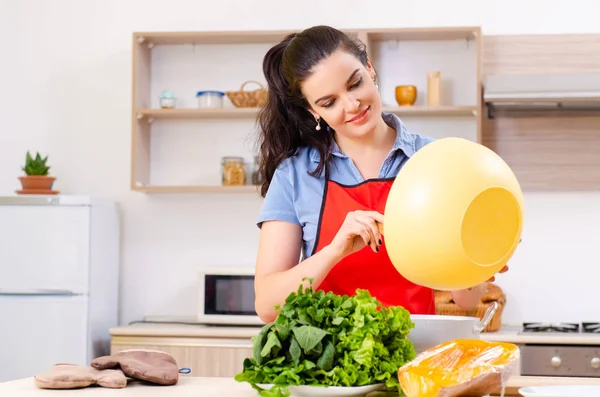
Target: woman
{"x": 328, "y": 159}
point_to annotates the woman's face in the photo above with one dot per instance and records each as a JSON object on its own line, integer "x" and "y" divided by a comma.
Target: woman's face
{"x": 341, "y": 91}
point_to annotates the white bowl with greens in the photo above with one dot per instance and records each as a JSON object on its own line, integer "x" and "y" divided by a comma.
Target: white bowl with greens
{"x": 329, "y": 345}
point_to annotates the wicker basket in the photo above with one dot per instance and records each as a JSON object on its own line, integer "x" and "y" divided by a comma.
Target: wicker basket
{"x": 248, "y": 99}
{"x": 446, "y": 307}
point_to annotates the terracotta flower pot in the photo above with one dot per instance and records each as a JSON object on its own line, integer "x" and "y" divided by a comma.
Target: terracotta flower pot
{"x": 37, "y": 184}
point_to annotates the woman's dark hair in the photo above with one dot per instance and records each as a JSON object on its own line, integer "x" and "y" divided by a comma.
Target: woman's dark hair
{"x": 285, "y": 124}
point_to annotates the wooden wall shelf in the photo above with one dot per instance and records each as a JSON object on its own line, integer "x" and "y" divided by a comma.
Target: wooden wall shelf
{"x": 191, "y": 113}
{"x": 440, "y": 33}
{"x": 234, "y": 113}
{"x": 272, "y": 36}
{"x": 191, "y": 189}
{"x": 431, "y": 111}
{"x": 171, "y": 147}
{"x": 212, "y": 38}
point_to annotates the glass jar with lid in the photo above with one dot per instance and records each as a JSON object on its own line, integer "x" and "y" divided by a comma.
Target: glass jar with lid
{"x": 167, "y": 100}
{"x": 233, "y": 171}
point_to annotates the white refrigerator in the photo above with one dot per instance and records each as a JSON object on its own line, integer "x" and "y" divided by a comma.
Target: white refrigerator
{"x": 59, "y": 281}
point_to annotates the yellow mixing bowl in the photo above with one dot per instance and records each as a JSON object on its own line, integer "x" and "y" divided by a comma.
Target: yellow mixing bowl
{"x": 454, "y": 215}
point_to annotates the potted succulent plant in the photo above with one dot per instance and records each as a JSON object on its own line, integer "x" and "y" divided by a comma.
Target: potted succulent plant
{"x": 36, "y": 179}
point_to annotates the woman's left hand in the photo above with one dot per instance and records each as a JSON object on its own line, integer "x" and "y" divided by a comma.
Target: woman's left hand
{"x": 503, "y": 270}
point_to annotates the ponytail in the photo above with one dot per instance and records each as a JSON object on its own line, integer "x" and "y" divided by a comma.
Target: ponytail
{"x": 278, "y": 135}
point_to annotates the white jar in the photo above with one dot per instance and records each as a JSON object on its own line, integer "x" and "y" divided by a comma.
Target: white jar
{"x": 210, "y": 99}
{"x": 167, "y": 100}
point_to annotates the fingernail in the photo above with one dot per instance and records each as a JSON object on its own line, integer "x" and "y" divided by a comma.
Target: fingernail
{"x": 377, "y": 249}
{"x": 369, "y": 243}
{"x": 380, "y": 242}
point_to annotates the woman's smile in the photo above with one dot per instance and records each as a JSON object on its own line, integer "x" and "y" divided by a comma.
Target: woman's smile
{"x": 361, "y": 117}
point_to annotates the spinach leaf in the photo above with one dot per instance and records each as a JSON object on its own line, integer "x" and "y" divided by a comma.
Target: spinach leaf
{"x": 308, "y": 336}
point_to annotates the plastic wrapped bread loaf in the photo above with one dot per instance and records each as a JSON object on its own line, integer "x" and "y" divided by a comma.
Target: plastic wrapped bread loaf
{"x": 465, "y": 367}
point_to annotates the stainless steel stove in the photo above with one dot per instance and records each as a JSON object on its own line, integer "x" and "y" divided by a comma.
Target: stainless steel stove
{"x": 563, "y": 355}
{"x": 585, "y": 327}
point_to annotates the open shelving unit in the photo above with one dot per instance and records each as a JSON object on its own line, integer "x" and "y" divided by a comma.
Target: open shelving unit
{"x": 153, "y": 114}
{"x": 179, "y": 150}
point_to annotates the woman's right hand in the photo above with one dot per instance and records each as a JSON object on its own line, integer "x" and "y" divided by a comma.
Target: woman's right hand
{"x": 358, "y": 230}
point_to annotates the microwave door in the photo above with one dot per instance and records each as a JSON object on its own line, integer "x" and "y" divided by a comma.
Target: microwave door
{"x": 230, "y": 295}
{"x": 229, "y": 299}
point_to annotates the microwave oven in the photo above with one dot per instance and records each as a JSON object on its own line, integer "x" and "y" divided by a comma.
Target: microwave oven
{"x": 226, "y": 296}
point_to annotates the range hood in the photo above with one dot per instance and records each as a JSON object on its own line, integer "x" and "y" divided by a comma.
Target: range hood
{"x": 543, "y": 91}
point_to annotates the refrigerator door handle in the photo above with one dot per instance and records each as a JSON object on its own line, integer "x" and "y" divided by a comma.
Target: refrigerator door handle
{"x": 36, "y": 291}
{"x": 19, "y": 200}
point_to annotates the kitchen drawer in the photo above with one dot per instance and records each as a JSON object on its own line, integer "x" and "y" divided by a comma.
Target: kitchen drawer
{"x": 552, "y": 360}
{"x": 44, "y": 247}
{"x": 205, "y": 357}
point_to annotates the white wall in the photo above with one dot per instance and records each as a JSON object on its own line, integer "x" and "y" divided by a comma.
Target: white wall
{"x": 65, "y": 74}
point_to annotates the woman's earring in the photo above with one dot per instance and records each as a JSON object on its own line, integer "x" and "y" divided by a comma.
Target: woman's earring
{"x": 318, "y": 127}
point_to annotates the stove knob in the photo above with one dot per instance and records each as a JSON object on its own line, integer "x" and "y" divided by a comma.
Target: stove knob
{"x": 595, "y": 362}
{"x": 556, "y": 361}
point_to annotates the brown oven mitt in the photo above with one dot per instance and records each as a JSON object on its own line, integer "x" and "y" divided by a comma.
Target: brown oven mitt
{"x": 70, "y": 376}
{"x": 149, "y": 365}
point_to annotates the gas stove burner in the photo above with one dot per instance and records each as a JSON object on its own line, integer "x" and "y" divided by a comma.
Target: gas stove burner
{"x": 547, "y": 327}
{"x": 591, "y": 327}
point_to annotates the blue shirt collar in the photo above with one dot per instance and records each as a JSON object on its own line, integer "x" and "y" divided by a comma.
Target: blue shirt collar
{"x": 404, "y": 141}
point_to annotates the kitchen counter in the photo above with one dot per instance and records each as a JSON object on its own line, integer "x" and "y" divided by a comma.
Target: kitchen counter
{"x": 219, "y": 387}
{"x": 507, "y": 333}
{"x": 189, "y": 330}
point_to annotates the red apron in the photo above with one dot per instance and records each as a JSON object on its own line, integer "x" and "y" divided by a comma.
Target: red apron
{"x": 366, "y": 269}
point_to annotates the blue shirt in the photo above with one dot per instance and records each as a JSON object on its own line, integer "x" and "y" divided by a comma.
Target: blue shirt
{"x": 295, "y": 196}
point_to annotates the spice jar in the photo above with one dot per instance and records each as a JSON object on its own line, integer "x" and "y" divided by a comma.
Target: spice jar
{"x": 233, "y": 171}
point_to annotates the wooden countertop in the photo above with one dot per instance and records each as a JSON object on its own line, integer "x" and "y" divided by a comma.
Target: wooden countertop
{"x": 507, "y": 333}
{"x": 219, "y": 387}
{"x": 189, "y": 330}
